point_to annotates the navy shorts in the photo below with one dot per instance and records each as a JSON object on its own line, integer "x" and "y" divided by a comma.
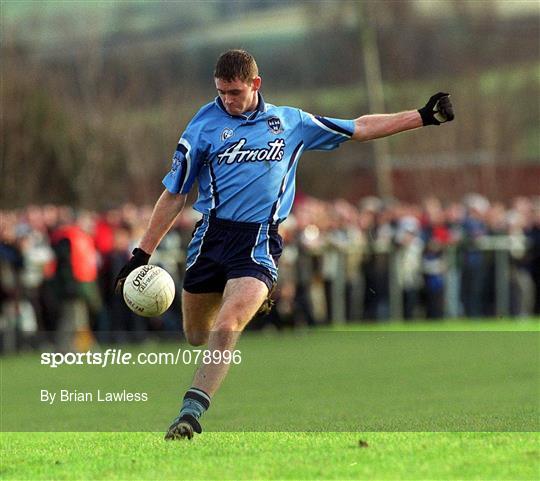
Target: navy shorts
{"x": 221, "y": 250}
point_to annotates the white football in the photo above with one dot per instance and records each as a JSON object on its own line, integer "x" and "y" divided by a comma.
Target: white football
{"x": 149, "y": 290}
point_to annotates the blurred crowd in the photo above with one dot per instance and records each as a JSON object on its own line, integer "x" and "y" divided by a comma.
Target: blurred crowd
{"x": 368, "y": 262}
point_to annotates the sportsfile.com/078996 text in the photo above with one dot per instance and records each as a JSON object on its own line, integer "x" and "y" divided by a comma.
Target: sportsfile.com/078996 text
{"x": 118, "y": 357}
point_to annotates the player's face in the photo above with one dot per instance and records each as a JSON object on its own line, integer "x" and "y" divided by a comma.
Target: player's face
{"x": 237, "y": 96}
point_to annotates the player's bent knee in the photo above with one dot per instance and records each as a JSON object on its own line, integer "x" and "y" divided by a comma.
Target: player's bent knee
{"x": 229, "y": 324}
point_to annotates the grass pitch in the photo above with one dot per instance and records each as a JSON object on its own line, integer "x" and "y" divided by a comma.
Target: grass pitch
{"x": 503, "y": 398}
{"x": 272, "y": 456}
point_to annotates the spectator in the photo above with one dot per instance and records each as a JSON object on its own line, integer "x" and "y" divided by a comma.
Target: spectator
{"x": 75, "y": 281}
{"x": 124, "y": 325}
{"x": 473, "y": 273}
{"x": 11, "y": 264}
{"x": 408, "y": 258}
{"x": 434, "y": 271}
{"x": 533, "y": 253}
{"x": 376, "y": 262}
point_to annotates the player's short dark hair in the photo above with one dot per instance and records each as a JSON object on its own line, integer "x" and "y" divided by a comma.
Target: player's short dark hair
{"x": 236, "y": 64}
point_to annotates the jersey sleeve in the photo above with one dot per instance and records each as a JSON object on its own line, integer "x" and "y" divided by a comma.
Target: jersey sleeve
{"x": 324, "y": 133}
{"x": 186, "y": 161}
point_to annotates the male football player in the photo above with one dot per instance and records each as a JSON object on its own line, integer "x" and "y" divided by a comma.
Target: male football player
{"x": 244, "y": 153}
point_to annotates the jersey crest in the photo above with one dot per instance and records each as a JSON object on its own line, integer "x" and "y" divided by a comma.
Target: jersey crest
{"x": 274, "y": 125}
{"x": 226, "y": 134}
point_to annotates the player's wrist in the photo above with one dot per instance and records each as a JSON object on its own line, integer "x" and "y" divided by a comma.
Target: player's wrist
{"x": 138, "y": 259}
{"x": 427, "y": 117}
{"x": 141, "y": 254}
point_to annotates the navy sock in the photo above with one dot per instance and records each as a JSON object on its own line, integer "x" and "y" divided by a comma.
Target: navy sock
{"x": 196, "y": 402}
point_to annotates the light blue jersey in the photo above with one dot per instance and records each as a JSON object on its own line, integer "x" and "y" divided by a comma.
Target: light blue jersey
{"x": 246, "y": 165}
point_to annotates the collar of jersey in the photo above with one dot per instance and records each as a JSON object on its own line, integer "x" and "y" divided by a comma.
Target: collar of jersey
{"x": 261, "y": 107}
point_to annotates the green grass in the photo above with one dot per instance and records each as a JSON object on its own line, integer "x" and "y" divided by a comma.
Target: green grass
{"x": 458, "y": 404}
{"x": 121, "y": 456}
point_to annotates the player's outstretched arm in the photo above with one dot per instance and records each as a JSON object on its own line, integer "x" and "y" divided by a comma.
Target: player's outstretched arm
{"x": 167, "y": 208}
{"x": 438, "y": 110}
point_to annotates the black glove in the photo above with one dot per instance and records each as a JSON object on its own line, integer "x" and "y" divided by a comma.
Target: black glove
{"x": 438, "y": 110}
{"x": 139, "y": 258}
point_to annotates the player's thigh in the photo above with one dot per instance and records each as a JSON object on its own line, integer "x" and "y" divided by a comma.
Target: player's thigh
{"x": 199, "y": 312}
{"x": 242, "y": 298}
